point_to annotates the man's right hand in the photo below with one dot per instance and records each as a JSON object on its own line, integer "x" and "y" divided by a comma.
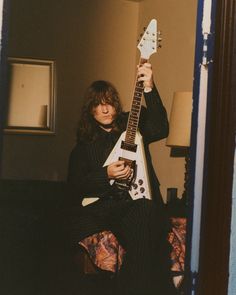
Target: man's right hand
{"x": 118, "y": 170}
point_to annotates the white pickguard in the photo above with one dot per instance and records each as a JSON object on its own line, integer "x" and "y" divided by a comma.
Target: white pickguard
{"x": 140, "y": 187}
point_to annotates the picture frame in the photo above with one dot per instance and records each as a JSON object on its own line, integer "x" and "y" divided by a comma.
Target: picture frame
{"x": 32, "y": 96}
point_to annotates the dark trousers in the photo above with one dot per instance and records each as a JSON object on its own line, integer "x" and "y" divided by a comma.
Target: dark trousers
{"x": 141, "y": 227}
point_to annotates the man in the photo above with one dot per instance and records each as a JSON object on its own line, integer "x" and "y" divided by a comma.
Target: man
{"x": 139, "y": 225}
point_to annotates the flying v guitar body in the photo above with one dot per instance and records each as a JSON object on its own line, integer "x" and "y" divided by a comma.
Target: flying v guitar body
{"x": 138, "y": 186}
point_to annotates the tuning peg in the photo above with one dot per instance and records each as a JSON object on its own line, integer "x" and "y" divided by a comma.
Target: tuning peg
{"x": 144, "y": 28}
{"x": 159, "y": 46}
{"x": 159, "y": 36}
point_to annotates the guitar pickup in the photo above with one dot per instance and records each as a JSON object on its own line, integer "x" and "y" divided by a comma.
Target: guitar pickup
{"x": 128, "y": 146}
{"x": 128, "y": 162}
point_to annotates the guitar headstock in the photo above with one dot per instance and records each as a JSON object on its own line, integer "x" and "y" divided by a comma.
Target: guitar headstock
{"x": 150, "y": 40}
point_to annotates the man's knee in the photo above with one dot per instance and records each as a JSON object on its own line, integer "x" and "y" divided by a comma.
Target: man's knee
{"x": 144, "y": 205}
{"x": 142, "y": 211}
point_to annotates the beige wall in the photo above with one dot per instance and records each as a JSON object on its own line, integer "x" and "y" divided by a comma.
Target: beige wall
{"x": 87, "y": 42}
{"x": 173, "y": 71}
{"x": 91, "y": 42}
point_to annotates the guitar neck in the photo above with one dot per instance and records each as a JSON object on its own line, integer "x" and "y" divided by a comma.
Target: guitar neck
{"x": 132, "y": 125}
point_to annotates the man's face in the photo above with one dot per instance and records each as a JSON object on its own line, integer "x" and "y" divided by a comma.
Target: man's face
{"x": 104, "y": 113}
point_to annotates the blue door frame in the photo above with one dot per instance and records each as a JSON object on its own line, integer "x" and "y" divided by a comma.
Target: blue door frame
{"x": 203, "y": 65}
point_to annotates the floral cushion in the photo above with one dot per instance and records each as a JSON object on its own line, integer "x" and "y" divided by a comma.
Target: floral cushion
{"x": 104, "y": 250}
{"x": 177, "y": 239}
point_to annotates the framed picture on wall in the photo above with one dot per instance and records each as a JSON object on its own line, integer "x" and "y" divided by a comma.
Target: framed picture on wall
{"x": 32, "y": 96}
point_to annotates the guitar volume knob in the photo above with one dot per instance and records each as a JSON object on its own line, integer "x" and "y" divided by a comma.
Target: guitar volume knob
{"x": 140, "y": 181}
{"x": 135, "y": 186}
{"x": 142, "y": 190}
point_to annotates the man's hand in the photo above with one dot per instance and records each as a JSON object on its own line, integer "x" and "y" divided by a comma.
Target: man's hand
{"x": 145, "y": 74}
{"x": 118, "y": 170}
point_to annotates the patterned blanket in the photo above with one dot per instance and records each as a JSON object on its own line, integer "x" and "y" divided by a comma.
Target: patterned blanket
{"x": 107, "y": 254}
{"x": 104, "y": 250}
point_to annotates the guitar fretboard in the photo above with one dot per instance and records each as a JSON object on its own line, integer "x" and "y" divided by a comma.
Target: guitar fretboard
{"x": 134, "y": 114}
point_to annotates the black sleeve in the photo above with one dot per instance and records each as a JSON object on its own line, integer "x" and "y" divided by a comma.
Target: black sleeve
{"x": 153, "y": 119}
{"x": 82, "y": 181}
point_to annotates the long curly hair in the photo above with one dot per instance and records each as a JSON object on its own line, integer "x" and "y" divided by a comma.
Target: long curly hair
{"x": 98, "y": 92}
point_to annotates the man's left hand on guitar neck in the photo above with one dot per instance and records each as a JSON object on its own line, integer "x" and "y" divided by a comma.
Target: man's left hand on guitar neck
{"x": 145, "y": 74}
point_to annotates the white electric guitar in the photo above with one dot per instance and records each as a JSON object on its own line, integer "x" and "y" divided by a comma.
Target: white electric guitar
{"x": 129, "y": 146}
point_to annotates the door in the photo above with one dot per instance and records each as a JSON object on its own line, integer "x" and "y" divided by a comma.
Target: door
{"x": 213, "y": 144}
